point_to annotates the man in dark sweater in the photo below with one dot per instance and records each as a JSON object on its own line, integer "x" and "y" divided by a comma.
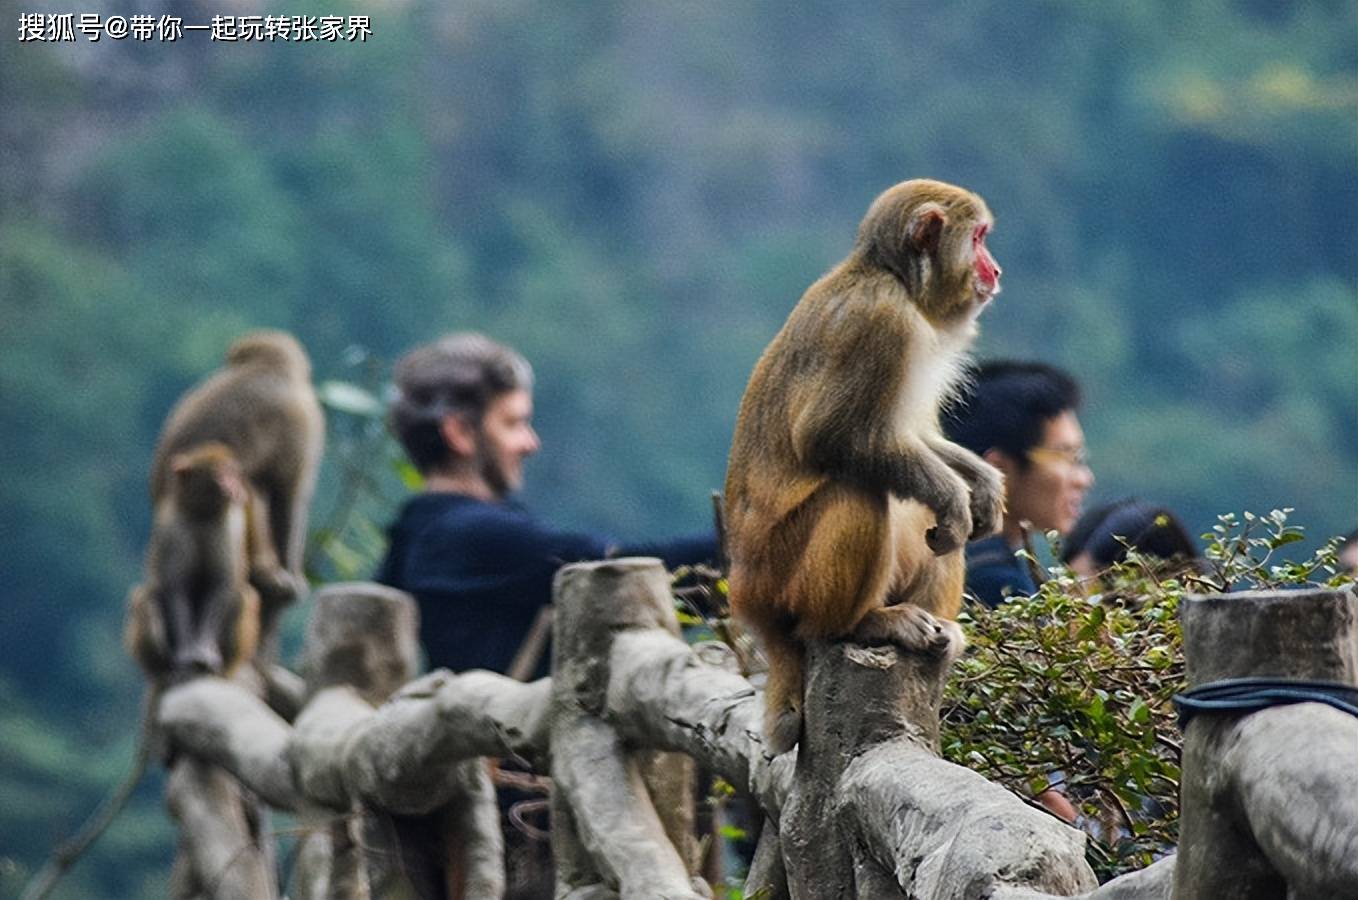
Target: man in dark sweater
{"x": 1020, "y": 417}
{"x": 479, "y": 564}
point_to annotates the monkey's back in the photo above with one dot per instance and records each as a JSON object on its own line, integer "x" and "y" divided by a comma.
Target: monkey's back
{"x": 764, "y": 480}
{"x": 770, "y": 493}
{"x": 264, "y": 414}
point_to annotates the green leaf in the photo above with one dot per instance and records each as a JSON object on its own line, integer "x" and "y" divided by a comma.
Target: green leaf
{"x": 346, "y": 397}
{"x": 410, "y": 476}
{"x": 1095, "y": 708}
{"x": 1140, "y": 712}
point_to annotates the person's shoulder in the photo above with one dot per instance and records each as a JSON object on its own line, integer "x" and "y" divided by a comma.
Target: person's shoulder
{"x": 989, "y": 553}
{"x": 459, "y": 514}
{"x": 993, "y": 572}
{"x": 499, "y": 529}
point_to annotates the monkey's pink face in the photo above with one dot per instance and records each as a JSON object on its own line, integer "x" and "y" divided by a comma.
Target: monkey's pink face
{"x": 987, "y": 270}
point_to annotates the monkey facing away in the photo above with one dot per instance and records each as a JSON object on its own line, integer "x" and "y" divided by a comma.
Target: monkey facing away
{"x": 846, "y": 509}
{"x": 196, "y": 611}
{"x": 260, "y": 405}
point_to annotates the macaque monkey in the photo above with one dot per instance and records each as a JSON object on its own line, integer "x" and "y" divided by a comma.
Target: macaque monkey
{"x": 197, "y": 612}
{"x": 231, "y": 484}
{"x": 846, "y": 509}
{"x": 262, "y": 406}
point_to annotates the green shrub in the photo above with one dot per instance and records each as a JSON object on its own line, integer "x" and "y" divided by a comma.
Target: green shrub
{"x": 1078, "y": 680}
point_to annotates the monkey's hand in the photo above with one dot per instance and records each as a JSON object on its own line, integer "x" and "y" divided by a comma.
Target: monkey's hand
{"x": 987, "y": 501}
{"x": 984, "y": 481}
{"x": 911, "y": 627}
{"x": 951, "y": 503}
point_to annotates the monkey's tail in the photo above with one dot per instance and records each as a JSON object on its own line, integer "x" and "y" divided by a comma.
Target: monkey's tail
{"x": 70, "y": 850}
{"x": 783, "y": 690}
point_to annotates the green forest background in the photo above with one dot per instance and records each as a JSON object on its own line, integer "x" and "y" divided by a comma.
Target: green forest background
{"x": 634, "y": 194}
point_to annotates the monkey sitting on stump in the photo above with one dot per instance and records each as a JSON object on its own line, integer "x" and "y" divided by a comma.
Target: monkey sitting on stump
{"x": 262, "y": 407}
{"x": 197, "y": 612}
{"x": 846, "y": 509}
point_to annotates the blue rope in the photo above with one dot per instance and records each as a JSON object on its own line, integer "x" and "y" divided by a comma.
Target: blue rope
{"x": 1242, "y": 695}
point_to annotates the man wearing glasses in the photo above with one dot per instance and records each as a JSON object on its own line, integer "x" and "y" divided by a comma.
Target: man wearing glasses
{"x": 1020, "y": 417}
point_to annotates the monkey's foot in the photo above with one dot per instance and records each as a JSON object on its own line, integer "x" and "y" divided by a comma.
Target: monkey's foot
{"x": 782, "y": 729}
{"x": 198, "y": 659}
{"x": 277, "y": 586}
{"x": 910, "y": 627}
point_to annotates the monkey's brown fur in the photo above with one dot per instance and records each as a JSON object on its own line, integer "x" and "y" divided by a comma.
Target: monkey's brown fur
{"x": 262, "y": 406}
{"x": 196, "y": 611}
{"x": 842, "y": 496}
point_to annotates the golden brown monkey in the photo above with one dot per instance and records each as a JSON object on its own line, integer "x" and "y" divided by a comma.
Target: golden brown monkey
{"x": 262, "y": 406}
{"x": 197, "y": 612}
{"x": 843, "y": 498}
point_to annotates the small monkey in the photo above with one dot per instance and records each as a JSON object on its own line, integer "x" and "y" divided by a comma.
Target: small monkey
{"x": 261, "y": 406}
{"x": 843, "y": 499}
{"x": 197, "y": 612}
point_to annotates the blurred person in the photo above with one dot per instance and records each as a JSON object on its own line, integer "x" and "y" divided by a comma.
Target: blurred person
{"x": 478, "y": 563}
{"x": 1104, "y": 534}
{"x": 1021, "y": 418}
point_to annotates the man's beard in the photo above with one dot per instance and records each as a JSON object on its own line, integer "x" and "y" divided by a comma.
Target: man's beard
{"x": 491, "y": 470}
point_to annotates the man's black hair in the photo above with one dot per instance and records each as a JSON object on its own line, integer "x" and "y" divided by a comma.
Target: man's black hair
{"x": 1008, "y": 405}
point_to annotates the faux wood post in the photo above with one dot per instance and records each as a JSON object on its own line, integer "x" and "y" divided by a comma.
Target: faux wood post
{"x": 616, "y": 830}
{"x": 363, "y": 636}
{"x": 225, "y": 850}
{"x": 221, "y": 852}
{"x": 1269, "y": 800}
{"x": 874, "y": 813}
{"x": 767, "y": 877}
{"x": 856, "y": 697}
{"x": 361, "y": 647}
{"x": 360, "y": 638}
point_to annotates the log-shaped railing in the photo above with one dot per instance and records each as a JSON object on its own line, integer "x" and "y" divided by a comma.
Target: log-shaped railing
{"x": 864, "y": 809}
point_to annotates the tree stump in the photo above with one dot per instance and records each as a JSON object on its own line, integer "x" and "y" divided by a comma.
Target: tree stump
{"x": 874, "y": 813}
{"x": 1270, "y": 798}
{"x": 636, "y": 837}
{"x": 361, "y": 647}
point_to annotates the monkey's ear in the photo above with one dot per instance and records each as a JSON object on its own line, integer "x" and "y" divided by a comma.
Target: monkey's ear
{"x": 926, "y": 227}
{"x": 180, "y": 463}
